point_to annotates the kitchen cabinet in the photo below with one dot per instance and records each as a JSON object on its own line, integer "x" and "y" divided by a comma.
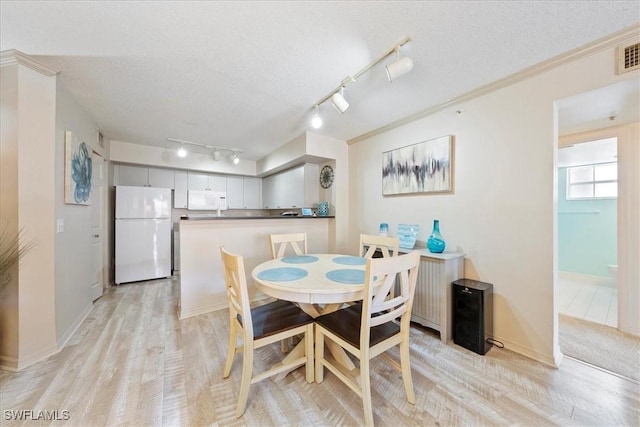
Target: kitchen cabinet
{"x": 180, "y": 190}
{"x": 243, "y": 192}
{"x": 294, "y": 188}
{"x": 206, "y": 181}
{"x": 252, "y": 193}
{"x": 140, "y": 176}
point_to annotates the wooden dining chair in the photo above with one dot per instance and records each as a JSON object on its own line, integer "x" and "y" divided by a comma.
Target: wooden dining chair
{"x": 280, "y": 243}
{"x": 258, "y": 327}
{"x": 370, "y": 329}
{"x": 370, "y": 242}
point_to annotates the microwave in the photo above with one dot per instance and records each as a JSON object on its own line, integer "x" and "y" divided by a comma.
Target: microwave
{"x": 201, "y": 200}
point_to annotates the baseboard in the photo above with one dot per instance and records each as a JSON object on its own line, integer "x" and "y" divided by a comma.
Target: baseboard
{"x": 201, "y": 310}
{"x": 14, "y": 365}
{"x": 586, "y": 278}
{"x": 64, "y": 339}
{"x": 547, "y": 359}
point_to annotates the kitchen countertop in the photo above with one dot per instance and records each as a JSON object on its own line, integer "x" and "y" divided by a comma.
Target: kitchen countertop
{"x": 201, "y": 218}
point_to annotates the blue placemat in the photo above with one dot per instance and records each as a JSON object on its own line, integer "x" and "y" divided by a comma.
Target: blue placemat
{"x": 302, "y": 259}
{"x": 282, "y": 274}
{"x": 346, "y": 276}
{"x": 350, "y": 260}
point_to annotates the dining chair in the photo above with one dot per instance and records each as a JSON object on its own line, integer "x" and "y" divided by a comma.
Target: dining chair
{"x": 280, "y": 243}
{"x": 370, "y": 242}
{"x": 371, "y": 329}
{"x": 258, "y": 327}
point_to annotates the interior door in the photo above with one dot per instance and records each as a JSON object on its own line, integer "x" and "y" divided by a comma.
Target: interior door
{"x": 97, "y": 225}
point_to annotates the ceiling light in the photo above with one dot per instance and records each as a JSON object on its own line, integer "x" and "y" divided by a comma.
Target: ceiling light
{"x": 400, "y": 67}
{"x": 216, "y": 155}
{"x": 234, "y": 158}
{"x": 182, "y": 152}
{"x": 338, "y": 101}
{"x": 316, "y": 120}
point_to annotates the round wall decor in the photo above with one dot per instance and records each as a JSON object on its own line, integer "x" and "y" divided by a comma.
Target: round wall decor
{"x": 326, "y": 176}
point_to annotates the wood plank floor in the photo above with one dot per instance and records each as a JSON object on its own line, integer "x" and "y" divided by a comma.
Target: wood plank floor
{"x": 133, "y": 363}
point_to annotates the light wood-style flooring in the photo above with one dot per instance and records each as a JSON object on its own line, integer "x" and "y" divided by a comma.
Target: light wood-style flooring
{"x": 133, "y": 363}
{"x": 594, "y": 302}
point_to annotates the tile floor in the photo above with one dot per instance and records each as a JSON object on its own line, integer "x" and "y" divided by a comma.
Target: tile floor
{"x": 588, "y": 301}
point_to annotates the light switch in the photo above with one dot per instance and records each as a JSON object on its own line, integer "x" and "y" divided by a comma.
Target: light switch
{"x": 60, "y": 225}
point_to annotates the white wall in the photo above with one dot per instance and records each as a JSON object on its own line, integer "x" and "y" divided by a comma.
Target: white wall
{"x": 501, "y": 211}
{"x": 73, "y": 254}
{"x": 127, "y": 152}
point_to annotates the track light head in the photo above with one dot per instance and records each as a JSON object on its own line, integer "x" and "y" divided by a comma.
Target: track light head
{"x": 182, "y": 152}
{"x": 216, "y": 154}
{"x": 234, "y": 158}
{"x": 338, "y": 101}
{"x": 400, "y": 67}
{"x": 316, "y": 120}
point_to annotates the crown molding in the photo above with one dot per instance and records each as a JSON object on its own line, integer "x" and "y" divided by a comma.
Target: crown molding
{"x": 630, "y": 34}
{"x": 15, "y": 57}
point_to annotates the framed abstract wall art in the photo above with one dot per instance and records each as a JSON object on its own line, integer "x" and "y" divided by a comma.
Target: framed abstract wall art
{"x": 77, "y": 171}
{"x": 424, "y": 167}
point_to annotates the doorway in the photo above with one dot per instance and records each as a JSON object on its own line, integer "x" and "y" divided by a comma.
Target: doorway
{"x": 97, "y": 226}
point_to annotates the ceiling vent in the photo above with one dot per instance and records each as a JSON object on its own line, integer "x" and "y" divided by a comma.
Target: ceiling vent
{"x": 628, "y": 58}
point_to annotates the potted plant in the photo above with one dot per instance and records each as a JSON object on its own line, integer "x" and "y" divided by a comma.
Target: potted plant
{"x": 10, "y": 253}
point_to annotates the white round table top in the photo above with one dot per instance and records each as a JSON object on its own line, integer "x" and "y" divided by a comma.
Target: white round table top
{"x": 312, "y": 278}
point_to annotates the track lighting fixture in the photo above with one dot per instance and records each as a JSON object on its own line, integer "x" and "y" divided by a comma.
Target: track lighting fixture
{"x": 338, "y": 101}
{"x": 215, "y": 154}
{"x": 394, "y": 70}
{"x": 400, "y": 67}
{"x": 234, "y": 158}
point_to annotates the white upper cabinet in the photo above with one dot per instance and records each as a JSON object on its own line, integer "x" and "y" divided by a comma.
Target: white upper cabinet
{"x": 294, "y": 188}
{"x": 140, "y": 176}
{"x": 180, "y": 191}
{"x": 235, "y": 192}
{"x": 244, "y": 192}
{"x": 205, "y": 181}
{"x": 161, "y": 178}
{"x": 252, "y": 193}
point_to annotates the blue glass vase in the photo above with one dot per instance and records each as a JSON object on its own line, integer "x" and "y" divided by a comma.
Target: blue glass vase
{"x": 435, "y": 242}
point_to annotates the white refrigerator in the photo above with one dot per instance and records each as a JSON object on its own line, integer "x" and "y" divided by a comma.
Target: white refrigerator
{"x": 143, "y": 233}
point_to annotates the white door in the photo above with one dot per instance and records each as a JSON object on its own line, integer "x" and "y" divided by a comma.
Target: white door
{"x": 97, "y": 192}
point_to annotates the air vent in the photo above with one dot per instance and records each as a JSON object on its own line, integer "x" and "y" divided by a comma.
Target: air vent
{"x": 628, "y": 58}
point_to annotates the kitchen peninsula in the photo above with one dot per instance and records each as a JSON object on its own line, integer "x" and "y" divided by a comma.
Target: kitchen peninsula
{"x": 201, "y": 277}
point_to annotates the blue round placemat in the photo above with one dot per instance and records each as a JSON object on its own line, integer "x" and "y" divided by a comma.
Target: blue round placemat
{"x": 346, "y": 276}
{"x": 282, "y": 274}
{"x": 350, "y": 260}
{"x": 301, "y": 259}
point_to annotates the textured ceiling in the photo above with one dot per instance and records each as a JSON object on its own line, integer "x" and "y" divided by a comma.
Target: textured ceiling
{"x": 245, "y": 75}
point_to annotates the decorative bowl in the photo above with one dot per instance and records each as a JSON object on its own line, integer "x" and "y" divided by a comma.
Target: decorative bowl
{"x": 408, "y": 234}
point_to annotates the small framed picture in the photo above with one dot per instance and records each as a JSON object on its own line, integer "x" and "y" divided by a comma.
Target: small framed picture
{"x": 306, "y": 211}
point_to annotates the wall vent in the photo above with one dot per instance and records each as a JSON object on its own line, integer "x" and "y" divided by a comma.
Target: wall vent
{"x": 628, "y": 58}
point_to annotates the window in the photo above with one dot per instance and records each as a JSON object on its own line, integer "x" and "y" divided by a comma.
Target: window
{"x": 598, "y": 181}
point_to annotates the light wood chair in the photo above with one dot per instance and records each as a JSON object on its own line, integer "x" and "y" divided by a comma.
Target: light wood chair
{"x": 370, "y": 329}
{"x": 280, "y": 243}
{"x": 370, "y": 242}
{"x": 258, "y": 327}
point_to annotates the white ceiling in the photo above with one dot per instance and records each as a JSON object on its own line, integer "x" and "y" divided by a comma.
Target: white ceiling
{"x": 245, "y": 75}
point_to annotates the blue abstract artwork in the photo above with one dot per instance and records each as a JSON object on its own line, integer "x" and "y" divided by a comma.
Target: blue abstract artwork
{"x": 424, "y": 167}
{"x": 77, "y": 170}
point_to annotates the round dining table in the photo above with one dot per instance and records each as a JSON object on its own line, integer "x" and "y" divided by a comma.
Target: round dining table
{"x": 318, "y": 283}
